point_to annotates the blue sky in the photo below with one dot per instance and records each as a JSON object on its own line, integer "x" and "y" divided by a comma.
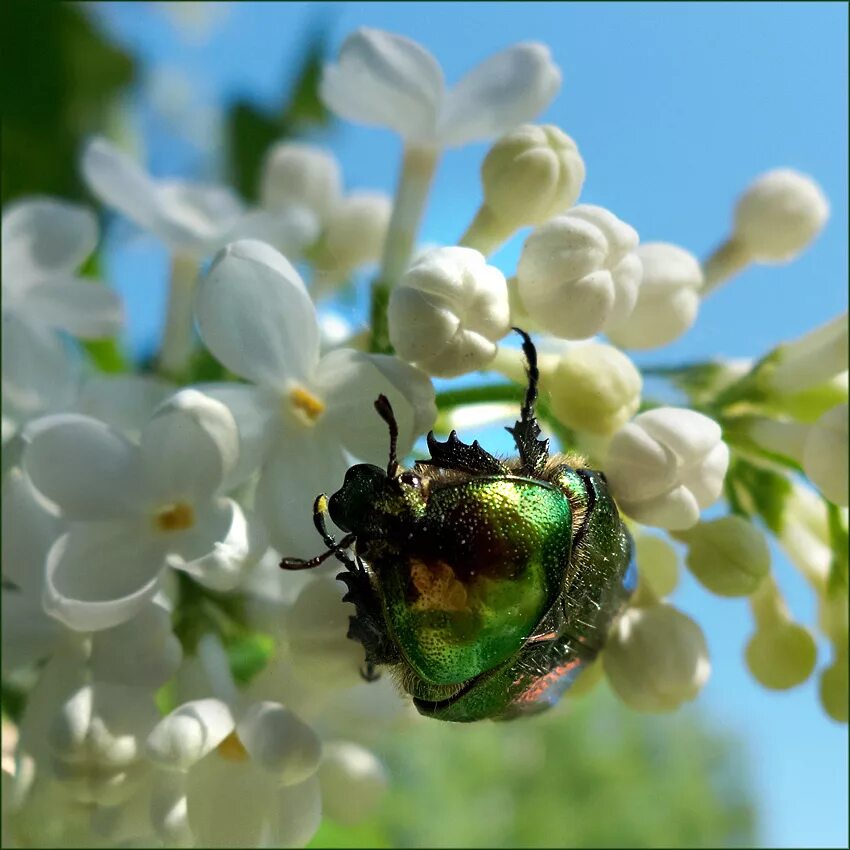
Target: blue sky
{"x": 675, "y": 108}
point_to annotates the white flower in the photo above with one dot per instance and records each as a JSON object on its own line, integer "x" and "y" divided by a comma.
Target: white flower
{"x": 96, "y": 741}
{"x": 729, "y": 555}
{"x": 825, "y": 454}
{"x": 192, "y": 218}
{"x": 779, "y": 214}
{"x": 258, "y": 755}
{"x": 667, "y": 299}
{"x": 387, "y": 80}
{"x": 814, "y": 358}
{"x": 45, "y": 241}
{"x": 135, "y": 509}
{"x": 593, "y": 387}
{"x": 305, "y": 175}
{"x": 579, "y": 271}
{"x": 353, "y": 782}
{"x": 530, "y": 174}
{"x": 355, "y": 229}
{"x": 316, "y": 627}
{"x": 656, "y": 658}
{"x": 305, "y": 413}
{"x": 448, "y": 312}
{"x": 666, "y": 465}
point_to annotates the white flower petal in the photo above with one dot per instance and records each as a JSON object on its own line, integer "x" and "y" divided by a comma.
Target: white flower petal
{"x": 169, "y": 813}
{"x": 190, "y": 732}
{"x": 45, "y": 238}
{"x": 84, "y": 308}
{"x": 385, "y": 80}
{"x": 126, "y": 402}
{"x": 187, "y": 448}
{"x": 279, "y": 742}
{"x": 39, "y": 372}
{"x": 685, "y": 432}
{"x": 253, "y": 408}
{"x": 705, "y": 479}
{"x": 194, "y": 216}
{"x": 120, "y": 183}
{"x": 507, "y": 89}
{"x": 297, "y": 814}
{"x": 256, "y": 317}
{"x": 290, "y": 229}
{"x": 351, "y": 381}
{"x": 87, "y": 468}
{"x": 101, "y": 574}
{"x": 250, "y": 803}
{"x": 637, "y": 466}
{"x": 30, "y": 524}
{"x": 221, "y": 545}
{"x": 29, "y": 634}
{"x": 353, "y": 782}
{"x": 143, "y": 651}
{"x": 675, "y": 509}
{"x": 297, "y": 470}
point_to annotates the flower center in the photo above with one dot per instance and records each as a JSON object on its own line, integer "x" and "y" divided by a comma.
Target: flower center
{"x": 175, "y": 517}
{"x": 232, "y": 749}
{"x": 307, "y": 407}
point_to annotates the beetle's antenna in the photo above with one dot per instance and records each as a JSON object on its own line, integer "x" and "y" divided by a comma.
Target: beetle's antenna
{"x": 308, "y": 564}
{"x": 385, "y": 411}
{"x": 530, "y": 352}
{"x": 533, "y": 452}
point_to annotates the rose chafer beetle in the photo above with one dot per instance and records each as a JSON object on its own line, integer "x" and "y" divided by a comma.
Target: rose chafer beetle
{"x": 484, "y": 585}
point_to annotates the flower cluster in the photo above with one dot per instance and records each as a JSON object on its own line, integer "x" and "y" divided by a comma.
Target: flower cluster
{"x": 144, "y": 514}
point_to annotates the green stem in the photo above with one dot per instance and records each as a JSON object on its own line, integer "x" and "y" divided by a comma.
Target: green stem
{"x": 448, "y": 399}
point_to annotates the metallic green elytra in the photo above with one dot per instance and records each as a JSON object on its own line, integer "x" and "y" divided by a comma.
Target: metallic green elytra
{"x": 484, "y": 585}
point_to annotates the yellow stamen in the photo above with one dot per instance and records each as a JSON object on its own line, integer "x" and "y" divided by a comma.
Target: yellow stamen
{"x": 175, "y": 517}
{"x": 306, "y": 404}
{"x": 232, "y": 749}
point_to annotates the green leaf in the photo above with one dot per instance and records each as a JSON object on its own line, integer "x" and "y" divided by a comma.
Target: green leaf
{"x": 759, "y": 490}
{"x": 249, "y": 654}
{"x": 58, "y": 80}
{"x": 250, "y": 133}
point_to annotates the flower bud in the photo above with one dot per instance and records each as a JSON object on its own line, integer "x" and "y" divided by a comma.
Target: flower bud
{"x": 656, "y": 658}
{"x": 354, "y": 233}
{"x": 578, "y": 271}
{"x": 667, "y": 299}
{"x": 448, "y": 311}
{"x": 779, "y": 214}
{"x": 300, "y": 174}
{"x": 815, "y": 357}
{"x": 825, "y": 454}
{"x": 594, "y": 387}
{"x": 279, "y": 742}
{"x": 728, "y": 556}
{"x": 666, "y": 465}
{"x": 353, "y": 782}
{"x": 781, "y": 655}
{"x": 531, "y": 174}
{"x": 658, "y": 565}
{"x": 833, "y": 687}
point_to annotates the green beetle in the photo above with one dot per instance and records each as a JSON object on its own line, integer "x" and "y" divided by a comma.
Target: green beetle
{"x": 484, "y": 585}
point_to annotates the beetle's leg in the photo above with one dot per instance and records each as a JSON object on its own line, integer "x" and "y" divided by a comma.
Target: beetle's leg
{"x": 320, "y": 510}
{"x": 369, "y": 673}
{"x": 368, "y": 625}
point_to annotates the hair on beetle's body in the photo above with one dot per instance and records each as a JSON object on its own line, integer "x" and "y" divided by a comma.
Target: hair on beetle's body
{"x": 483, "y": 585}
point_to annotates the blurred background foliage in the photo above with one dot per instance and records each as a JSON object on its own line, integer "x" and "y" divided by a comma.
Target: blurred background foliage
{"x": 589, "y": 774}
